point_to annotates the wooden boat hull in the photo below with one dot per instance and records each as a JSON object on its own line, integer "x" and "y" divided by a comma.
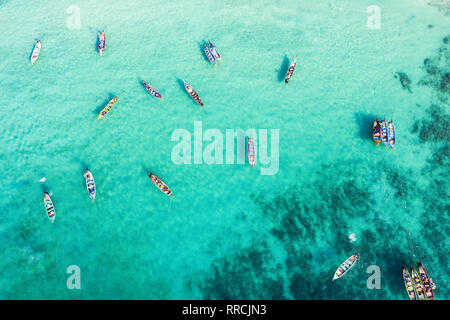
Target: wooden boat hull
{"x": 49, "y": 208}
{"x": 161, "y": 185}
{"x": 346, "y": 266}
{"x": 376, "y": 133}
{"x": 36, "y": 51}
{"x": 391, "y": 134}
{"x": 194, "y": 95}
{"x": 107, "y": 108}
{"x": 408, "y": 284}
{"x": 101, "y": 43}
{"x": 384, "y": 133}
{"x": 208, "y": 54}
{"x": 426, "y": 281}
{"x": 214, "y": 51}
{"x": 291, "y": 70}
{"x": 251, "y": 152}
{"x": 418, "y": 287}
{"x": 152, "y": 90}
{"x": 90, "y": 184}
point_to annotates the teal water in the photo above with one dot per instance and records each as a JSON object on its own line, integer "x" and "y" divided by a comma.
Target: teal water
{"x": 230, "y": 231}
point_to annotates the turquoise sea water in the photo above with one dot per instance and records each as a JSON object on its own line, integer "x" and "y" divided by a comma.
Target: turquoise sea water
{"x": 230, "y": 233}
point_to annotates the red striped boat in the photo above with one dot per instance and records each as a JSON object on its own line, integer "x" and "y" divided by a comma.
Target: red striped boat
{"x": 152, "y": 90}
{"x": 426, "y": 281}
{"x": 291, "y": 70}
{"x": 161, "y": 185}
{"x": 251, "y": 151}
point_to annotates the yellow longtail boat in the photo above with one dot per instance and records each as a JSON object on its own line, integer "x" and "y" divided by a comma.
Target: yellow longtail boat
{"x": 106, "y": 109}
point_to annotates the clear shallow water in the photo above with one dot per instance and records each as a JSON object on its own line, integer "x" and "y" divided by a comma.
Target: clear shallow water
{"x": 231, "y": 232}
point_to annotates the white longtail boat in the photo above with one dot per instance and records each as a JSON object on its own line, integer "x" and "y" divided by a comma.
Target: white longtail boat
{"x": 408, "y": 284}
{"x": 49, "y": 208}
{"x": 346, "y": 266}
{"x": 36, "y": 51}
{"x": 90, "y": 184}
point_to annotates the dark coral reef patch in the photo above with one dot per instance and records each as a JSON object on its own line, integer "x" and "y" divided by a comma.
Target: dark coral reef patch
{"x": 297, "y": 221}
{"x": 309, "y": 224}
{"x": 435, "y": 128}
{"x": 437, "y": 70}
{"x": 405, "y": 81}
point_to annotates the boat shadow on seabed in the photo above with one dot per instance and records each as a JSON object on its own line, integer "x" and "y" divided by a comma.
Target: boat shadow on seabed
{"x": 103, "y": 104}
{"x": 283, "y": 69}
{"x": 365, "y": 124}
{"x": 181, "y": 83}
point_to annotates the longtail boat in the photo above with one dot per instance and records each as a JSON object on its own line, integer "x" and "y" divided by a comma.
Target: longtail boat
{"x": 108, "y": 107}
{"x": 418, "y": 287}
{"x": 384, "y": 134}
{"x": 426, "y": 281}
{"x": 251, "y": 151}
{"x": 214, "y": 51}
{"x": 376, "y": 131}
{"x": 161, "y": 185}
{"x": 208, "y": 54}
{"x": 152, "y": 90}
{"x": 36, "y": 51}
{"x": 408, "y": 284}
{"x": 346, "y": 266}
{"x": 101, "y": 43}
{"x": 391, "y": 134}
{"x": 194, "y": 95}
{"x": 49, "y": 208}
{"x": 90, "y": 184}
{"x": 291, "y": 70}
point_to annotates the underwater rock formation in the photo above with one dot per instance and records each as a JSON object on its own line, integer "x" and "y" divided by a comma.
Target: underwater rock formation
{"x": 404, "y": 81}
{"x": 323, "y": 207}
{"x": 445, "y": 81}
{"x": 296, "y": 222}
{"x": 244, "y": 274}
{"x": 438, "y": 71}
{"x": 430, "y": 67}
{"x": 443, "y": 5}
{"x": 435, "y": 129}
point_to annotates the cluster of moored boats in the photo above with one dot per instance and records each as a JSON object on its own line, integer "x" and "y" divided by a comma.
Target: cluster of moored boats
{"x": 418, "y": 284}
{"x": 212, "y": 54}
{"x": 384, "y": 133}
